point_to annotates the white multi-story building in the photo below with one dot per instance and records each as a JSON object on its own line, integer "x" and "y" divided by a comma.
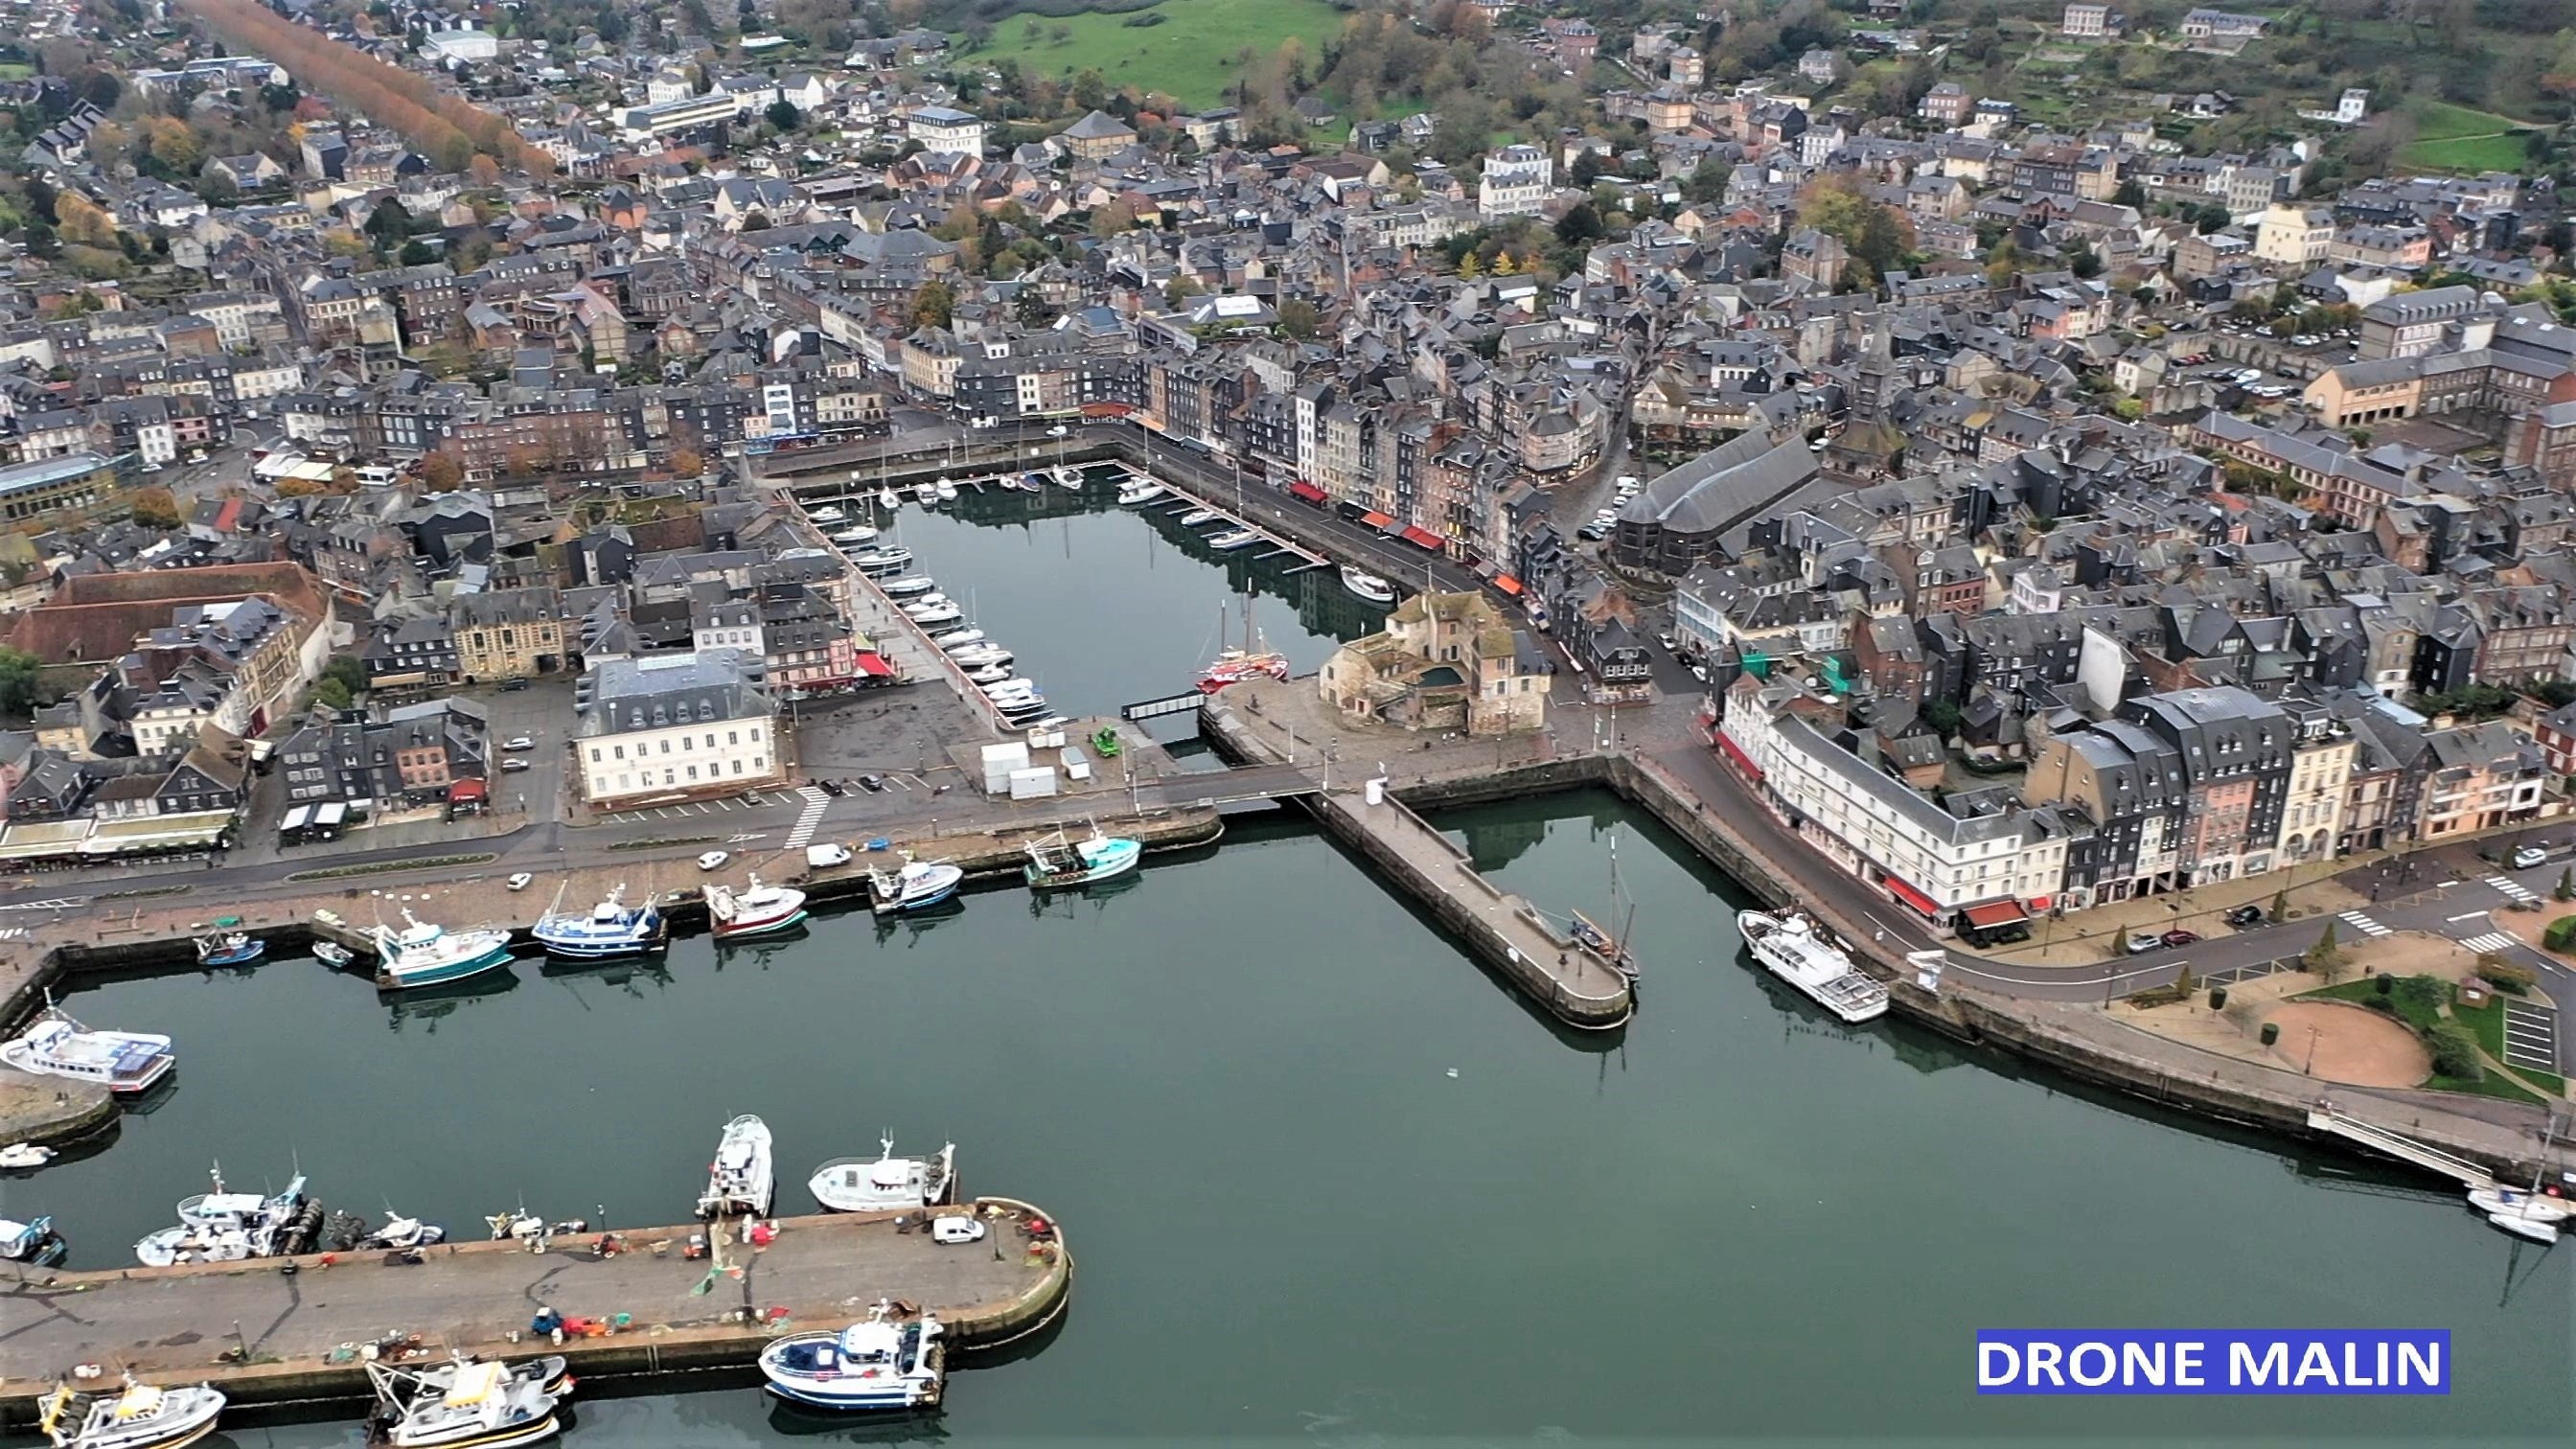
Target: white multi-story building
{"x": 677, "y": 724}
{"x": 940, "y": 128}
{"x": 1983, "y": 867}
{"x": 1518, "y": 181}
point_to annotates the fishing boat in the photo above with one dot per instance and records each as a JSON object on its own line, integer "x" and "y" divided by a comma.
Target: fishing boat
{"x": 332, "y": 953}
{"x": 1198, "y": 517}
{"x": 229, "y": 948}
{"x": 1367, "y": 585}
{"x": 142, "y": 1416}
{"x": 552, "y": 1373}
{"x": 54, "y": 1045}
{"x": 421, "y": 954}
{"x": 741, "y": 1179}
{"x": 956, "y": 639}
{"x": 884, "y": 1363}
{"x": 25, "y": 1156}
{"x": 401, "y": 1232}
{"x": 34, "y": 1242}
{"x": 1233, "y": 538}
{"x": 1056, "y": 862}
{"x": 1796, "y": 952}
{"x": 759, "y": 909}
{"x": 917, "y": 884}
{"x": 610, "y": 928}
{"x": 1140, "y": 491}
{"x": 886, "y": 1183}
{"x": 480, "y": 1405}
{"x": 906, "y": 585}
{"x": 226, "y": 1227}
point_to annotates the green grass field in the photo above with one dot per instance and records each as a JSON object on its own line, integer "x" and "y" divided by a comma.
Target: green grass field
{"x": 2456, "y": 138}
{"x": 1190, "y": 56}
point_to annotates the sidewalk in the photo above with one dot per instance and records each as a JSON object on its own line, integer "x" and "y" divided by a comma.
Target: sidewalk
{"x": 2313, "y": 890}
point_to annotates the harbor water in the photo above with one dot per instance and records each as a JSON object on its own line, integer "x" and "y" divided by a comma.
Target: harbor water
{"x": 1107, "y": 605}
{"x": 1329, "y": 1183}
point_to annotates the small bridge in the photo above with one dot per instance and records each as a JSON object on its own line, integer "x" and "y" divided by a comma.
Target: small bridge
{"x": 1190, "y": 703}
{"x": 2324, "y": 1118}
{"x": 1238, "y": 786}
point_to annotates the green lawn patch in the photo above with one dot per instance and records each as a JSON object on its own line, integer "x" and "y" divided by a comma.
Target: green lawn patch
{"x": 2410, "y": 1010}
{"x": 2487, "y": 1024}
{"x": 2456, "y": 138}
{"x": 387, "y": 867}
{"x": 1189, "y": 54}
{"x": 2442, "y": 121}
{"x": 2418, "y": 1009}
{"x": 2493, "y": 1084}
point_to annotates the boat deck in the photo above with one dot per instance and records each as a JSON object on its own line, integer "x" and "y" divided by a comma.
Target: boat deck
{"x": 174, "y": 1325}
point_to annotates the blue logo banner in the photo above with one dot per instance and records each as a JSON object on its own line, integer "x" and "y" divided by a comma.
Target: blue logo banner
{"x": 2213, "y": 1361}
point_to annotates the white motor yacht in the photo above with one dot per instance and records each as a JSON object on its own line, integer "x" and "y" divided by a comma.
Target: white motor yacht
{"x": 741, "y": 1178}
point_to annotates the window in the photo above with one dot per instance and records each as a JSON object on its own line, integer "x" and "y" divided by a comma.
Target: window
{"x": 731, "y": 737}
{"x": 666, "y": 747}
{"x": 737, "y": 767}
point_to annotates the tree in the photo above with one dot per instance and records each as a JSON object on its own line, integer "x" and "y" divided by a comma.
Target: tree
{"x": 1299, "y": 318}
{"x": 441, "y": 473}
{"x": 2566, "y": 888}
{"x": 933, "y": 305}
{"x": 1580, "y": 224}
{"x": 2280, "y": 906}
{"x": 1030, "y": 308}
{"x": 18, "y": 671}
{"x": 416, "y": 253}
{"x": 389, "y": 225}
{"x": 217, "y": 189}
{"x": 2324, "y": 958}
{"x": 1586, "y": 168}
{"x": 483, "y": 173}
{"x": 687, "y": 463}
{"x": 155, "y": 508}
{"x": 782, "y": 115}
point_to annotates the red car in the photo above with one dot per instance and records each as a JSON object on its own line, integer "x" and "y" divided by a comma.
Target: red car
{"x": 2180, "y": 937}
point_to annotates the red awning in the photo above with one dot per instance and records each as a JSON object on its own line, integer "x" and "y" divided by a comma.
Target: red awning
{"x": 873, "y": 664}
{"x": 1508, "y": 584}
{"x": 1912, "y": 897}
{"x": 461, "y": 790}
{"x": 1376, "y": 520}
{"x": 1308, "y": 491}
{"x": 1995, "y": 913}
{"x": 1735, "y": 752}
{"x": 1423, "y": 538}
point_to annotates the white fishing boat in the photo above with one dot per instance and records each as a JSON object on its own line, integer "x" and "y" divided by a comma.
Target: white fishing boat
{"x": 886, "y": 1183}
{"x": 33, "y": 1242}
{"x": 421, "y": 954}
{"x": 480, "y": 1405}
{"x": 956, "y": 639}
{"x": 1139, "y": 492}
{"x": 54, "y": 1045}
{"x": 915, "y": 885}
{"x": 1367, "y": 585}
{"x": 1796, "y": 952}
{"x": 1198, "y": 517}
{"x": 553, "y": 1373}
{"x": 907, "y": 585}
{"x": 229, "y": 948}
{"x": 741, "y": 1178}
{"x": 1233, "y": 539}
{"x": 226, "y": 1227}
{"x": 400, "y": 1232}
{"x": 758, "y": 909}
{"x": 885, "y": 1363}
{"x": 1056, "y": 862}
{"x": 142, "y": 1416}
{"x": 610, "y": 928}
{"x": 332, "y": 953}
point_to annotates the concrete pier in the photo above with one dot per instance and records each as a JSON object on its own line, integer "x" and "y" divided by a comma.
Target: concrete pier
{"x": 263, "y": 1335}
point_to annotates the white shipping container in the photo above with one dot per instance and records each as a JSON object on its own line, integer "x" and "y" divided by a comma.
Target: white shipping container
{"x": 1075, "y": 766}
{"x": 1002, "y": 759}
{"x": 1033, "y": 784}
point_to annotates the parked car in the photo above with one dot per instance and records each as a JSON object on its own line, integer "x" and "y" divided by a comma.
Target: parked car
{"x": 2139, "y": 945}
{"x": 1669, "y": 642}
{"x": 873, "y": 784}
{"x": 2245, "y": 918}
{"x": 956, "y": 1230}
{"x": 513, "y": 686}
{"x": 520, "y": 882}
{"x": 833, "y": 788}
{"x": 2179, "y": 937}
{"x": 2528, "y": 856}
{"x": 513, "y": 765}
{"x": 1592, "y": 533}
{"x": 713, "y": 860}
{"x": 519, "y": 742}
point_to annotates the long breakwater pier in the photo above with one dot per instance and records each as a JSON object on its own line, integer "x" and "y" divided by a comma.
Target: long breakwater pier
{"x": 280, "y": 1330}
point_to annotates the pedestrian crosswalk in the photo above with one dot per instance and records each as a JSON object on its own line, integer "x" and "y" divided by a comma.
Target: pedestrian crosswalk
{"x": 807, "y": 819}
{"x": 2491, "y": 941}
{"x": 2364, "y": 924}
{"x": 2513, "y": 889}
